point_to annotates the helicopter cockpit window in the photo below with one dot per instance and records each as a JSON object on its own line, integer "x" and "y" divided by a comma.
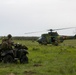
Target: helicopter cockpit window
{"x": 40, "y": 38}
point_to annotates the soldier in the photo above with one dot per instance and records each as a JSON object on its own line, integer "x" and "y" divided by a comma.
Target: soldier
{"x": 7, "y": 43}
{"x": 4, "y": 44}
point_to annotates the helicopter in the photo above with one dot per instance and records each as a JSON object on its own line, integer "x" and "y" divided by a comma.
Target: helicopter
{"x": 52, "y": 37}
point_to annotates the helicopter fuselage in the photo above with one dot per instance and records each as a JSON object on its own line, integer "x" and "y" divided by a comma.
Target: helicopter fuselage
{"x": 50, "y": 38}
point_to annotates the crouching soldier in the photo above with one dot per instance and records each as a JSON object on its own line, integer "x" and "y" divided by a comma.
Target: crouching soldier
{"x": 7, "y": 43}
{"x": 4, "y": 44}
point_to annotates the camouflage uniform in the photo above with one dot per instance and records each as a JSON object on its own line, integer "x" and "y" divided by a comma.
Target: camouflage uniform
{"x": 7, "y": 43}
{"x": 4, "y": 44}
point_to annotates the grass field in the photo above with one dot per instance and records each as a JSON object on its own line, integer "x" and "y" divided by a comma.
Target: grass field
{"x": 45, "y": 60}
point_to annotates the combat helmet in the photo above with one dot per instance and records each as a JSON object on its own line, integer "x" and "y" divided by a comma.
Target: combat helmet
{"x": 9, "y": 36}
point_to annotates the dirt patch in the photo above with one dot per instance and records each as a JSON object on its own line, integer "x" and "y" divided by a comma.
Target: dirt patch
{"x": 37, "y": 65}
{"x": 11, "y": 74}
{"x": 14, "y": 73}
{"x": 29, "y": 72}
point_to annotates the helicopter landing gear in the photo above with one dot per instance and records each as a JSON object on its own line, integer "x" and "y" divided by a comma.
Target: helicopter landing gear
{"x": 55, "y": 43}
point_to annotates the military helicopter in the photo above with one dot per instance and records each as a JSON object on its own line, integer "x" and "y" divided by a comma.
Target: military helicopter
{"x": 52, "y": 37}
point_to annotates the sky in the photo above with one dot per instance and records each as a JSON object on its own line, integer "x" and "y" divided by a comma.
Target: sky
{"x": 21, "y": 16}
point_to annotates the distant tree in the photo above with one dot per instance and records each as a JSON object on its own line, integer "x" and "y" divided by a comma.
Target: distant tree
{"x": 75, "y": 36}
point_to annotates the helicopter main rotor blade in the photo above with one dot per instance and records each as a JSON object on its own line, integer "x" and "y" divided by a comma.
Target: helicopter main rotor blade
{"x": 50, "y": 30}
{"x": 61, "y": 28}
{"x": 34, "y": 32}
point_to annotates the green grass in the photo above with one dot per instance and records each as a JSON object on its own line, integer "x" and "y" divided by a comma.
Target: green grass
{"x": 45, "y": 60}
